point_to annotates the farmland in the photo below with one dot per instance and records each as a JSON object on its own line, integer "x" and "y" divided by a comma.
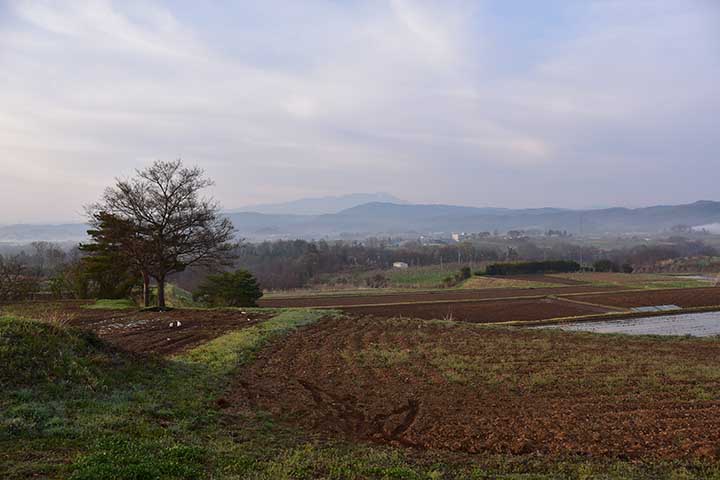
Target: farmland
{"x": 425, "y": 296}
{"x": 433, "y": 385}
{"x": 417, "y": 385}
{"x": 581, "y": 295}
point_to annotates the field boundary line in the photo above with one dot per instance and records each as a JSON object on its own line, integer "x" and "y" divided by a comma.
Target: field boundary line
{"x": 429, "y": 291}
{"x": 467, "y": 300}
{"x": 590, "y": 304}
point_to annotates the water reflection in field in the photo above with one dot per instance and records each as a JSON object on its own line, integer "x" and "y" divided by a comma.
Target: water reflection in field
{"x": 695, "y": 324}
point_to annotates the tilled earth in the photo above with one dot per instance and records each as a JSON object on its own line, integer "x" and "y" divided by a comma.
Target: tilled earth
{"x": 462, "y": 388}
{"x": 142, "y": 331}
{"x": 483, "y": 312}
{"x": 682, "y": 297}
{"x": 429, "y": 296}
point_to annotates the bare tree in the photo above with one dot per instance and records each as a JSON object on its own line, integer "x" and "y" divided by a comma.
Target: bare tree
{"x": 174, "y": 226}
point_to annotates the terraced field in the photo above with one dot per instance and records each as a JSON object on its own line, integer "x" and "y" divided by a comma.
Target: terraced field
{"x": 482, "y": 312}
{"x": 147, "y": 332}
{"x": 427, "y": 296}
{"x": 682, "y": 297}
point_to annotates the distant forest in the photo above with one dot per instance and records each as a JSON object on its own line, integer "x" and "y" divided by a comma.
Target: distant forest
{"x": 296, "y": 264}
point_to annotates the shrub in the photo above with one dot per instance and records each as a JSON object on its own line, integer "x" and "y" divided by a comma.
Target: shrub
{"x": 377, "y": 281}
{"x": 606, "y": 266}
{"x": 229, "y": 289}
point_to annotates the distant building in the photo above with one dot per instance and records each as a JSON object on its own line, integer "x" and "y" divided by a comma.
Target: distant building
{"x": 400, "y": 265}
{"x": 464, "y": 237}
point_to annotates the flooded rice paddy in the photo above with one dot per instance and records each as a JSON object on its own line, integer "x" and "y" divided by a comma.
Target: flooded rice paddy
{"x": 694, "y": 324}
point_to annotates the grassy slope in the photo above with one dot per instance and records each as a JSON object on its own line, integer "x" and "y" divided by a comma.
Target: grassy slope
{"x": 85, "y": 411}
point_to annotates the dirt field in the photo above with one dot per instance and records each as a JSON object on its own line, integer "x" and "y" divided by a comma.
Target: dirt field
{"x": 685, "y": 297}
{"x": 481, "y": 312}
{"x": 431, "y": 296}
{"x": 148, "y": 332}
{"x": 455, "y": 387}
{"x": 611, "y": 277}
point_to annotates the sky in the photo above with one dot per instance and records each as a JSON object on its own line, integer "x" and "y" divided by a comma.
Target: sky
{"x": 473, "y": 102}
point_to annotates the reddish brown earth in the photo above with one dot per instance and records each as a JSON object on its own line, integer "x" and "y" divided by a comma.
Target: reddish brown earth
{"x": 682, "y": 297}
{"x": 433, "y": 296}
{"x": 482, "y": 312}
{"x": 462, "y": 388}
{"x": 146, "y": 331}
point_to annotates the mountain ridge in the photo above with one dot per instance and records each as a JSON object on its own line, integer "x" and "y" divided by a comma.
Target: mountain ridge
{"x": 318, "y": 205}
{"x": 382, "y": 218}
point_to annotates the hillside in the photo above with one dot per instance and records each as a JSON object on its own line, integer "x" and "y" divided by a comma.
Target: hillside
{"x": 382, "y": 218}
{"x": 389, "y": 218}
{"x": 319, "y": 205}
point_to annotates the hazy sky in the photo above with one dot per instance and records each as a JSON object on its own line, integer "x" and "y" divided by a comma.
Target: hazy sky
{"x": 486, "y": 103}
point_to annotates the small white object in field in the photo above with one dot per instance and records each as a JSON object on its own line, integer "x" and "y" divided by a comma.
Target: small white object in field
{"x": 175, "y": 324}
{"x": 178, "y": 323}
{"x": 172, "y": 324}
{"x": 243, "y": 312}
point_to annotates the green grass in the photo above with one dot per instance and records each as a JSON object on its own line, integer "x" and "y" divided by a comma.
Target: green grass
{"x": 111, "y": 304}
{"x": 427, "y": 277}
{"x": 175, "y": 297}
{"x": 680, "y": 283}
{"x": 72, "y": 407}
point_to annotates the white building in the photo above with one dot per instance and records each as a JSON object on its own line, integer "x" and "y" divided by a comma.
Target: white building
{"x": 400, "y": 265}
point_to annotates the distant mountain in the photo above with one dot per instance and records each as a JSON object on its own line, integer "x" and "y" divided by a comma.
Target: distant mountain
{"x": 26, "y": 233}
{"x": 379, "y": 218}
{"x": 387, "y": 218}
{"x": 320, "y": 205}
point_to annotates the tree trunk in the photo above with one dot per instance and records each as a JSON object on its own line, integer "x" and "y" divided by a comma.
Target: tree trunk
{"x": 161, "y": 293}
{"x": 146, "y": 289}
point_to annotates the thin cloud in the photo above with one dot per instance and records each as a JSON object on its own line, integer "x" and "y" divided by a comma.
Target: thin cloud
{"x": 436, "y": 101}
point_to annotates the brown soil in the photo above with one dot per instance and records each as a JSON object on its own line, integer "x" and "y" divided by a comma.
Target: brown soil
{"x": 682, "y": 297}
{"x": 149, "y": 332}
{"x": 439, "y": 295}
{"x": 461, "y": 388}
{"x": 482, "y": 312}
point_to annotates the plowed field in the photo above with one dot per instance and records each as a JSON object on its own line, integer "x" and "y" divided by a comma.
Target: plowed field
{"x": 682, "y": 297}
{"x": 482, "y": 312}
{"x": 456, "y": 387}
{"x": 432, "y": 296}
{"x": 146, "y": 331}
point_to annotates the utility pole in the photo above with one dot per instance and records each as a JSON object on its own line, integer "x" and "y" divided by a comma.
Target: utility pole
{"x": 581, "y": 244}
